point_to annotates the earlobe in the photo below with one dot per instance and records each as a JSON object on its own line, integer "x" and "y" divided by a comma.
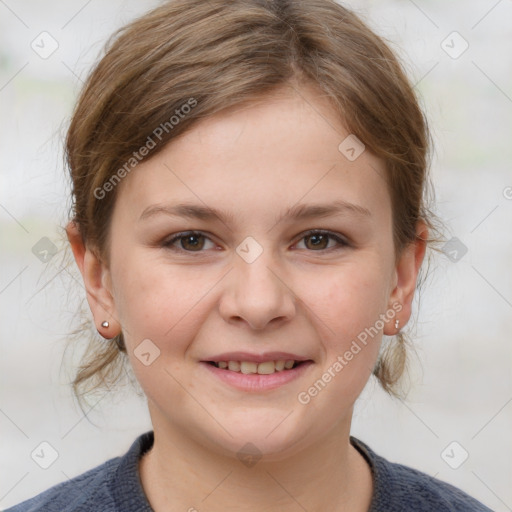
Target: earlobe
{"x": 96, "y": 277}
{"x": 406, "y": 274}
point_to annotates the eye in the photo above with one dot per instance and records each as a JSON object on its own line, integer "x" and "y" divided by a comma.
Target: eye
{"x": 317, "y": 240}
{"x": 191, "y": 241}
{"x": 194, "y": 241}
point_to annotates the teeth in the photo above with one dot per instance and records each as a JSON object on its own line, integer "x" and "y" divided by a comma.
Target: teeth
{"x": 280, "y": 365}
{"x": 266, "y": 368}
{"x": 234, "y": 366}
{"x": 248, "y": 367}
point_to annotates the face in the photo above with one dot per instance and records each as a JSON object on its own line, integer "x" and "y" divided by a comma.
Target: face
{"x": 257, "y": 281}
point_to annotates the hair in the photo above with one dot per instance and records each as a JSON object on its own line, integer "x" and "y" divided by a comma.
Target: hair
{"x": 216, "y": 55}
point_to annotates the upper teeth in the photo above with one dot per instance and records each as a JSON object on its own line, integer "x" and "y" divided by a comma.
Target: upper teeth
{"x": 265, "y": 368}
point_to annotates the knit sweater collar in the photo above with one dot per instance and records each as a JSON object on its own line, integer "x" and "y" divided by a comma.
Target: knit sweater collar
{"x": 129, "y": 494}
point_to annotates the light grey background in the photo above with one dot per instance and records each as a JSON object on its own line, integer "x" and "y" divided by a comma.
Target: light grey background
{"x": 461, "y": 388}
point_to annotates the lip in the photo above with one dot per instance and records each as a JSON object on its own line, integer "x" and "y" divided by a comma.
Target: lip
{"x": 255, "y": 358}
{"x": 255, "y": 382}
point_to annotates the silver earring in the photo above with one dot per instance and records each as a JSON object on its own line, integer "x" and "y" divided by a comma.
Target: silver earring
{"x": 105, "y": 324}
{"x": 397, "y": 323}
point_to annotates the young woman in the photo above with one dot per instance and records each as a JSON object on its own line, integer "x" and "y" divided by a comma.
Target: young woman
{"x": 249, "y": 221}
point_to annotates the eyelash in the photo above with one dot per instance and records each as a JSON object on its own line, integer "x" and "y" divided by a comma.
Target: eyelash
{"x": 341, "y": 242}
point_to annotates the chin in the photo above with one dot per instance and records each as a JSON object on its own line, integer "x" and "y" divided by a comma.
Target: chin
{"x": 270, "y": 435}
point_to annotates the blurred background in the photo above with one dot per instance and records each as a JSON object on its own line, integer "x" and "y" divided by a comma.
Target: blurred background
{"x": 457, "y": 419}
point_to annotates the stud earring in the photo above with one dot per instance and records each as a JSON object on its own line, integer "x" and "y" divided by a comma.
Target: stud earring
{"x": 105, "y": 324}
{"x": 397, "y": 323}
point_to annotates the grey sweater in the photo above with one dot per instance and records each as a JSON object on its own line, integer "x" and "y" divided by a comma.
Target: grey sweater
{"x": 115, "y": 486}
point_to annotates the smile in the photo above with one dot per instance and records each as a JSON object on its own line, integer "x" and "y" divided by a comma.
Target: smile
{"x": 264, "y": 368}
{"x": 252, "y": 376}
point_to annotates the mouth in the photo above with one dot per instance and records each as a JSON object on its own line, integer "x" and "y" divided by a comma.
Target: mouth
{"x": 263, "y": 368}
{"x": 252, "y": 376}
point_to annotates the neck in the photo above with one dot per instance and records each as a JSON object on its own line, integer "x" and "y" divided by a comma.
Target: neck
{"x": 180, "y": 472}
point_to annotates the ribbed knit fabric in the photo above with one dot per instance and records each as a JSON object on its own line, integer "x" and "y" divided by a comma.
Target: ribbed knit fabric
{"x": 115, "y": 486}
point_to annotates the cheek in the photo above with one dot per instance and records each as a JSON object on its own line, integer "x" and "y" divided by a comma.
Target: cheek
{"x": 160, "y": 302}
{"x": 346, "y": 305}
{"x": 160, "y": 309}
{"x": 349, "y": 298}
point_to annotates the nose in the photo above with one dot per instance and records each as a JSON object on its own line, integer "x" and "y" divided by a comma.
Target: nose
{"x": 257, "y": 293}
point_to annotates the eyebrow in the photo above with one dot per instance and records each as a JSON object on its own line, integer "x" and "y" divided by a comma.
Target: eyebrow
{"x": 297, "y": 212}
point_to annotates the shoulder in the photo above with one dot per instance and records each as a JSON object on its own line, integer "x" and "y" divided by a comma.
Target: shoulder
{"x": 398, "y": 487}
{"x": 110, "y": 487}
{"x": 82, "y": 492}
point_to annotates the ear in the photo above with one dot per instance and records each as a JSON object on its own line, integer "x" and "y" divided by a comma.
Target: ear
{"x": 98, "y": 284}
{"x": 405, "y": 278}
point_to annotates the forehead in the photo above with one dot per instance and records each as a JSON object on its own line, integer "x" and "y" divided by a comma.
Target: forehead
{"x": 262, "y": 156}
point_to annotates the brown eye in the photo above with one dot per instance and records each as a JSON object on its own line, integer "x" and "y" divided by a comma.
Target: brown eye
{"x": 192, "y": 242}
{"x": 319, "y": 240}
{"x": 189, "y": 242}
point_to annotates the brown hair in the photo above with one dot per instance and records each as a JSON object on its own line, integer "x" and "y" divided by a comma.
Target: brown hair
{"x": 222, "y": 54}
